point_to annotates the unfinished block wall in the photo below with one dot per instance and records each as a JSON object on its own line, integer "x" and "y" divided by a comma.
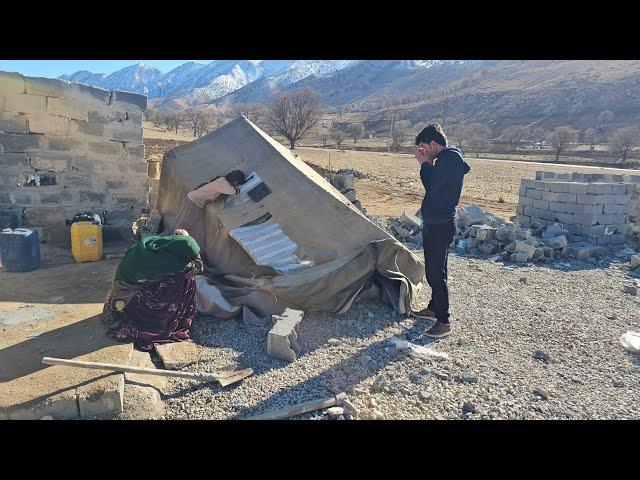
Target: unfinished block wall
{"x": 598, "y": 211}
{"x": 66, "y": 148}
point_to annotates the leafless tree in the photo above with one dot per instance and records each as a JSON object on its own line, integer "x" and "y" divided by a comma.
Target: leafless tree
{"x": 590, "y": 136}
{"x": 195, "y": 118}
{"x": 174, "y": 118}
{"x": 477, "y": 137}
{"x": 293, "y": 115}
{"x": 338, "y": 135}
{"x": 253, "y": 111}
{"x": 562, "y": 138}
{"x": 400, "y": 133}
{"x": 515, "y": 134}
{"x": 605, "y": 118}
{"x": 624, "y": 140}
{"x": 355, "y": 131}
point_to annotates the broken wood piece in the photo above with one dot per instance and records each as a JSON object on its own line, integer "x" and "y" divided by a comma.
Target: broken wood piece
{"x": 227, "y": 376}
{"x": 301, "y": 408}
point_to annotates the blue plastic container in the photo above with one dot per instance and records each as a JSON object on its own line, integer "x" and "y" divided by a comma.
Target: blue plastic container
{"x": 19, "y": 249}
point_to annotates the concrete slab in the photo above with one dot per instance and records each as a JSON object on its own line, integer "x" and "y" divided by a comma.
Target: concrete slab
{"x": 282, "y": 341}
{"x": 177, "y": 355}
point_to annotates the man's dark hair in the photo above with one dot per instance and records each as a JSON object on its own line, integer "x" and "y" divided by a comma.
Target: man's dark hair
{"x": 432, "y": 132}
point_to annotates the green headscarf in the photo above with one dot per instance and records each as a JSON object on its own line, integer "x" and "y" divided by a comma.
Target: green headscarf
{"x": 157, "y": 257}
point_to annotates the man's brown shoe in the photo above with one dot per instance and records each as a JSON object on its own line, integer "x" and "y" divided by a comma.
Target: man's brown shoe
{"x": 438, "y": 330}
{"x": 425, "y": 313}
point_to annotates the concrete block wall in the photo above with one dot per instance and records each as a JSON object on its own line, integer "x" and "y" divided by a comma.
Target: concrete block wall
{"x": 85, "y": 145}
{"x": 598, "y": 211}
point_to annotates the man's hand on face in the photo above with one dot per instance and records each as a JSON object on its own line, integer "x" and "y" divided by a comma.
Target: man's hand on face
{"x": 421, "y": 155}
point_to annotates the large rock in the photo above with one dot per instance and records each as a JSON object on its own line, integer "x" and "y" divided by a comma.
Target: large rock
{"x": 177, "y": 355}
{"x": 282, "y": 341}
{"x": 555, "y": 230}
{"x": 410, "y": 219}
{"x": 558, "y": 242}
{"x": 471, "y": 215}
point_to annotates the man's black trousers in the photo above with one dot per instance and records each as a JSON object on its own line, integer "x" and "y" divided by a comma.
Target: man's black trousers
{"x": 436, "y": 239}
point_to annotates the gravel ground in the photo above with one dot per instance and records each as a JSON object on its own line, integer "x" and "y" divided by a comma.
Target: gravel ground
{"x": 530, "y": 342}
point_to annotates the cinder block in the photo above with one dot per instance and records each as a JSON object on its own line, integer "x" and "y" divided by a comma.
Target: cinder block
{"x": 14, "y": 142}
{"x": 528, "y": 183}
{"x": 23, "y": 103}
{"x": 138, "y": 100}
{"x": 523, "y": 220}
{"x": 105, "y": 148}
{"x": 567, "y": 197}
{"x": 577, "y": 177}
{"x": 610, "y": 208}
{"x": 621, "y": 209}
{"x": 562, "y": 187}
{"x": 47, "y": 87}
{"x": 48, "y": 124}
{"x": 13, "y": 161}
{"x": 543, "y": 186}
{"x": 550, "y": 196}
{"x": 63, "y": 144}
{"x": 52, "y": 161}
{"x": 548, "y": 215}
{"x": 603, "y": 240}
{"x": 531, "y": 212}
{"x": 618, "y": 189}
{"x": 621, "y": 199}
{"x": 525, "y": 202}
{"x": 599, "y": 188}
{"x": 522, "y": 191}
{"x": 126, "y": 133}
{"x": 92, "y": 97}
{"x": 617, "y": 239}
{"x": 11, "y": 83}
{"x": 558, "y": 207}
{"x": 79, "y": 128}
{"x": 619, "y": 218}
{"x": 11, "y": 122}
{"x": 573, "y": 208}
{"x": 604, "y": 219}
{"x": 585, "y": 219}
{"x": 594, "y": 230}
{"x": 44, "y": 216}
{"x": 541, "y": 204}
{"x": 102, "y": 398}
{"x": 580, "y": 188}
{"x": 534, "y": 194}
{"x": 136, "y": 150}
{"x": 587, "y": 199}
{"x": 575, "y": 229}
{"x": 282, "y": 341}
{"x": 565, "y": 218}
{"x": 66, "y": 108}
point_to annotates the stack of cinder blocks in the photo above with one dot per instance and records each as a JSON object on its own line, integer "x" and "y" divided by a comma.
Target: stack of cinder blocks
{"x": 66, "y": 148}
{"x": 598, "y": 211}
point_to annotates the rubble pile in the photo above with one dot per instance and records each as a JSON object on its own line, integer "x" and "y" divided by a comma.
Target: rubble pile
{"x": 344, "y": 182}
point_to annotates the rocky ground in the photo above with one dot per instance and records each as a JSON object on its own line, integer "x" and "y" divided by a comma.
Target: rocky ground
{"x": 528, "y": 342}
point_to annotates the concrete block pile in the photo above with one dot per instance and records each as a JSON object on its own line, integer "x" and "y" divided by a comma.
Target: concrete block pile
{"x": 407, "y": 228}
{"x": 67, "y": 148}
{"x": 600, "y": 212}
{"x": 345, "y": 184}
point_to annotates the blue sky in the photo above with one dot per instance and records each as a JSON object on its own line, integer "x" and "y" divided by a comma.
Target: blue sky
{"x": 55, "y": 68}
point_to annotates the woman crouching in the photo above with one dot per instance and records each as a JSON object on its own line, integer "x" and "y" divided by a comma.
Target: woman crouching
{"x": 152, "y": 299}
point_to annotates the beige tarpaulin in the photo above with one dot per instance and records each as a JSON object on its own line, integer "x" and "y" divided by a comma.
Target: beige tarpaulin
{"x": 303, "y": 245}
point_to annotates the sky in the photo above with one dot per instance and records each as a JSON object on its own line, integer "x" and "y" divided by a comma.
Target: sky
{"x": 55, "y": 68}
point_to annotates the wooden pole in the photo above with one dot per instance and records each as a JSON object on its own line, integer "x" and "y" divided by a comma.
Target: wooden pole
{"x": 225, "y": 377}
{"x": 301, "y": 408}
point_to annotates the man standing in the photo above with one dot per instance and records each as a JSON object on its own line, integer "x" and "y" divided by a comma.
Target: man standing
{"x": 442, "y": 171}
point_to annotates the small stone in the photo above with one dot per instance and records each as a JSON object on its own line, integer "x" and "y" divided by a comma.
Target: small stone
{"x": 541, "y": 393}
{"x": 461, "y": 342}
{"x": 425, "y": 396}
{"x": 378, "y": 384}
{"x": 630, "y": 289}
{"x": 577, "y": 380}
{"x": 335, "y": 411}
{"x": 618, "y": 384}
{"x": 523, "y": 280}
{"x": 468, "y": 407}
{"x": 467, "y": 378}
{"x": 541, "y": 355}
{"x": 333, "y": 342}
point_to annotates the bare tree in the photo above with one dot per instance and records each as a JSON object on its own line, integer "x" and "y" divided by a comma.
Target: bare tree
{"x": 195, "y": 117}
{"x": 590, "y": 136}
{"x": 605, "y": 118}
{"x": 253, "y": 111}
{"x": 355, "y": 131}
{"x": 515, "y": 135}
{"x": 478, "y": 137}
{"x": 400, "y": 134}
{"x": 562, "y": 138}
{"x": 338, "y": 135}
{"x": 293, "y": 115}
{"x": 624, "y": 140}
{"x": 174, "y": 118}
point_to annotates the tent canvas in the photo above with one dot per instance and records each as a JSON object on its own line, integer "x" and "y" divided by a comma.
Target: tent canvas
{"x": 303, "y": 245}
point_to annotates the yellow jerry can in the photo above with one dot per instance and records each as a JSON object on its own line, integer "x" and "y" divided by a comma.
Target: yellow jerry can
{"x": 86, "y": 241}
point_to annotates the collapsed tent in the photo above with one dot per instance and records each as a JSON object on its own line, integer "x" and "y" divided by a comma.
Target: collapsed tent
{"x": 288, "y": 239}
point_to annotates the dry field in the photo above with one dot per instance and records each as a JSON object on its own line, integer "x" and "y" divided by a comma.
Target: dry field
{"x": 487, "y": 182}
